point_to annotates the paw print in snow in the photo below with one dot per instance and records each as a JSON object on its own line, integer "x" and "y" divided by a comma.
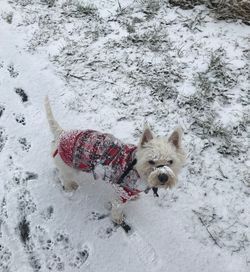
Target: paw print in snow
{"x": 43, "y": 239}
{"x": 35, "y": 262}
{"x": 54, "y": 263}
{"x": 22, "y": 94}
{"x": 24, "y": 230}
{"x": 2, "y": 109}
{"x": 24, "y": 144}
{"x": 94, "y": 216}
{"x": 12, "y": 71}
{"x": 106, "y": 232}
{"x": 5, "y": 258}
{"x": 20, "y": 119}
{"x": 20, "y": 179}
{"x": 62, "y": 240}
{"x": 30, "y": 176}
{"x": 47, "y": 213}
{"x": 26, "y": 204}
{"x": 80, "y": 258}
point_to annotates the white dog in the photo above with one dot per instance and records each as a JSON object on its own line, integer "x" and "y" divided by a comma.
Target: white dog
{"x": 131, "y": 169}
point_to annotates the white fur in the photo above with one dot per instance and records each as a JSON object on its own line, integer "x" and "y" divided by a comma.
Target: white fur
{"x": 160, "y": 150}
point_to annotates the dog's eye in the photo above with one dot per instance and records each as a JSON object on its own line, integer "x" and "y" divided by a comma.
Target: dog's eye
{"x": 151, "y": 162}
{"x": 170, "y": 162}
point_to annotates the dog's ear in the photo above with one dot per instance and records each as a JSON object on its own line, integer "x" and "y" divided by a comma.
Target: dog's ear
{"x": 175, "y": 137}
{"x": 147, "y": 135}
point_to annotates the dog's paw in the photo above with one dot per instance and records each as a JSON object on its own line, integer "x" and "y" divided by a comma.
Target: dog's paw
{"x": 70, "y": 186}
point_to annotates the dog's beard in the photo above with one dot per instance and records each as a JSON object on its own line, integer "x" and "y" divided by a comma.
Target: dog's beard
{"x": 154, "y": 181}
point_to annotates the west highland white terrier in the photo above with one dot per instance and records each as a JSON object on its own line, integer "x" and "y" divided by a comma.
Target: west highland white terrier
{"x": 154, "y": 163}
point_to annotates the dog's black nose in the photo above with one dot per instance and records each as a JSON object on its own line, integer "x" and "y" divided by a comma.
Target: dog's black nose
{"x": 163, "y": 178}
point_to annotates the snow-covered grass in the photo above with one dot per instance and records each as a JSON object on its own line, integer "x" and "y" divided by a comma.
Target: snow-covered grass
{"x": 112, "y": 65}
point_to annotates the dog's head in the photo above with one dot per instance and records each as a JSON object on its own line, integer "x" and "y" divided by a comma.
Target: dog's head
{"x": 159, "y": 159}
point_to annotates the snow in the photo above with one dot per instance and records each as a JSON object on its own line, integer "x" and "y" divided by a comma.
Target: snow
{"x": 203, "y": 223}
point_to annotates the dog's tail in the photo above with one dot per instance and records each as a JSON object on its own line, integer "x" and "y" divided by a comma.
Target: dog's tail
{"x": 54, "y": 126}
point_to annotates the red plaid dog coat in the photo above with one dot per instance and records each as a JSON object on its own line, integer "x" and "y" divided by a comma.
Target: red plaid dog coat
{"x": 85, "y": 150}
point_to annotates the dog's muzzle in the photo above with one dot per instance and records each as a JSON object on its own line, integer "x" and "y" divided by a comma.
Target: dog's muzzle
{"x": 164, "y": 174}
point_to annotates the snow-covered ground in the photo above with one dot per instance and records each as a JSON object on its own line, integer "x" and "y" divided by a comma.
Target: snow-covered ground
{"x": 112, "y": 66}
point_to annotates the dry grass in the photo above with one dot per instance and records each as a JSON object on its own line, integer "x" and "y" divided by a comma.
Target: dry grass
{"x": 231, "y": 9}
{"x": 186, "y": 4}
{"x": 223, "y": 9}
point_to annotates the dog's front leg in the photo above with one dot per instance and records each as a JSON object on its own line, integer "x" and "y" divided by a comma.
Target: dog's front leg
{"x": 117, "y": 211}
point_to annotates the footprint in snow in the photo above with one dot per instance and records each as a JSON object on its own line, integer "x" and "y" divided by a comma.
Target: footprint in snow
{"x": 57, "y": 245}
{"x": 24, "y": 230}
{"x": 106, "y": 232}
{"x": 55, "y": 263}
{"x": 25, "y": 145}
{"x": 22, "y": 94}
{"x": 62, "y": 243}
{"x": 5, "y": 258}
{"x": 35, "y": 262}
{"x": 62, "y": 240}
{"x": 47, "y": 213}
{"x": 26, "y": 204}
{"x": 11, "y": 69}
{"x": 80, "y": 258}
{"x": 20, "y": 178}
{"x": 95, "y": 216}
{"x": 20, "y": 119}
{"x": 42, "y": 239}
{"x": 28, "y": 244}
{"x": 2, "y": 109}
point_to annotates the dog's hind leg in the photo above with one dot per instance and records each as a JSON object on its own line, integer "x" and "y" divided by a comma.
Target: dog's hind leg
{"x": 66, "y": 175}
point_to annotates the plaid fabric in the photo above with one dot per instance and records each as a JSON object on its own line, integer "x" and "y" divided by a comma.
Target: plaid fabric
{"x": 85, "y": 150}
